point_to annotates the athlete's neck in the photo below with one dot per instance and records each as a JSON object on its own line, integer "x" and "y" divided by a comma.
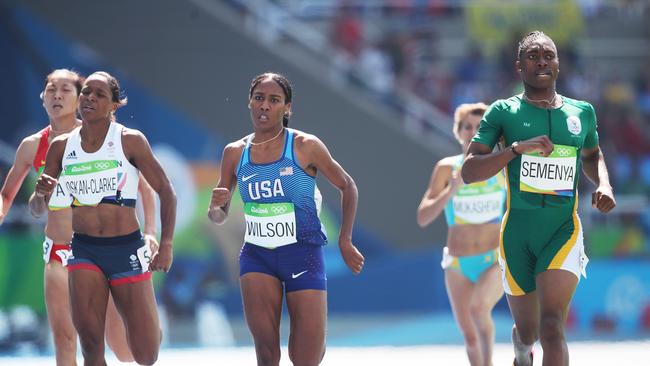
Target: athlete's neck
{"x": 543, "y": 98}
{"x": 94, "y": 133}
{"x": 59, "y": 126}
{"x": 261, "y": 138}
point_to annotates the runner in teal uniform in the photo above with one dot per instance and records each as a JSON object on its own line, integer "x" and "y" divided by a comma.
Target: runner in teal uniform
{"x": 473, "y": 214}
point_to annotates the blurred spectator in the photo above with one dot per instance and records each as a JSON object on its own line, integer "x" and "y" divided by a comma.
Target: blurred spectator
{"x": 375, "y": 70}
{"x": 347, "y": 41}
{"x": 347, "y": 32}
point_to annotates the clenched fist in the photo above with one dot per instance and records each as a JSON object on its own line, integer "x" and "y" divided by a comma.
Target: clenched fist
{"x": 45, "y": 185}
{"x": 220, "y": 197}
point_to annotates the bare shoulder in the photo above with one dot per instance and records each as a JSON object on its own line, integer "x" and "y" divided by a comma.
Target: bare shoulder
{"x": 232, "y": 152}
{"x": 132, "y": 135}
{"x": 28, "y": 147}
{"x": 306, "y": 141}
{"x": 235, "y": 147}
{"x": 447, "y": 162}
{"x": 32, "y": 139}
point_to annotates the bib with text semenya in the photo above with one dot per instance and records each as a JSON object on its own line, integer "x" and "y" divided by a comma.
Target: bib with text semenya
{"x": 554, "y": 174}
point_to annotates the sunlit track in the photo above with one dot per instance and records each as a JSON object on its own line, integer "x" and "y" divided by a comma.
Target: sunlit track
{"x": 582, "y": 354}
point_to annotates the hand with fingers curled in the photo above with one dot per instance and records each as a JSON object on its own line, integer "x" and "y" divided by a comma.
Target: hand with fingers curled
{"x": 220, "y": 198}
{"x": 152, "y": 243}
{"x": 162, "y": 259}
{"x": 540, "y": 144}
{"x": 603, "y": 199}
{"x": 45, "y": 185}
{"x": 456, "y": 182}
{"x": 351, "y": 255}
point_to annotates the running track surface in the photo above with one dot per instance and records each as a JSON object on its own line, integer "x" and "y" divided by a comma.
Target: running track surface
{"x": 582, "y": 354}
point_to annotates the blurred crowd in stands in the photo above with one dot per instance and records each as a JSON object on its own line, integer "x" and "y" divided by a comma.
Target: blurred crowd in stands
{"x": 408, "y": 58}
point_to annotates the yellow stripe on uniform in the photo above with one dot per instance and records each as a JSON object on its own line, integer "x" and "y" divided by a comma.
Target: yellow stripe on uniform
{"x": 564, "y": 251}
{"x": 512, "y": 284}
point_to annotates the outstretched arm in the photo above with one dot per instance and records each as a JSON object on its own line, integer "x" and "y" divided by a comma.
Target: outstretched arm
{"x": 16, "y": 175}
{"x": 594, "y": 167}
{"x": 320, "y": 158}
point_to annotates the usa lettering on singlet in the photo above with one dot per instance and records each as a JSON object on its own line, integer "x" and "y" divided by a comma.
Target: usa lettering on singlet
{"x": 105, "y": 176}
{"x": 279, "y": 200}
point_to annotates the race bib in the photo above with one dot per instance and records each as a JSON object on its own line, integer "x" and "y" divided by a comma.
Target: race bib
{"x": 270, "y": 225}
{"x": 145, "y": 257}
{"x": 60, "y": 197}
{"x": 64, "y": 254}
{"x": 554, "y": 174}
{"x": 90, "y": 182}
{"x": 47, "y": 249}
{"x": 478, "y": 203}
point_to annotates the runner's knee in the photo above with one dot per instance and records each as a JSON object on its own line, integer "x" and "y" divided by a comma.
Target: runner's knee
{"x": 471, "y": 339}
{"x": 64, "y": 339}
{"x": 551, "y": 328}
{"x": 527, "y": 335}
{"x": 91, "y": 344}
{"x": 299, "y": 358}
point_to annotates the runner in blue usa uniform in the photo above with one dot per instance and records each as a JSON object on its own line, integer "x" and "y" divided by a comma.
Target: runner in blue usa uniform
{"x": 275, "y": 170}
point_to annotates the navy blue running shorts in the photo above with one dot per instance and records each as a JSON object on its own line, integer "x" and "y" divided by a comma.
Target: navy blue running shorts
{"x": 298, "y": 266}
{"x": 122, "y": 259}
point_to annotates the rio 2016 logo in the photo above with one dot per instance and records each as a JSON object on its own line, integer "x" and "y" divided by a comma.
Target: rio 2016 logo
{"x": 279, "y": 209}
{"x": 102, "y": 165}
{"x": 562, "y": 151}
